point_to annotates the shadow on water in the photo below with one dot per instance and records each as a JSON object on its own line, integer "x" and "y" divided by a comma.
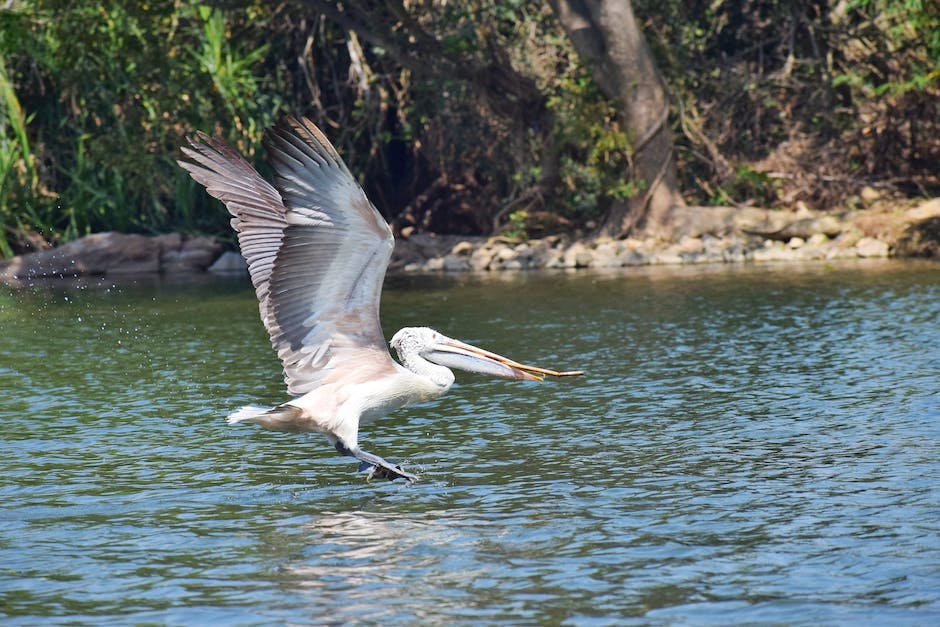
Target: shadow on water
{"x": 750, "y": 445}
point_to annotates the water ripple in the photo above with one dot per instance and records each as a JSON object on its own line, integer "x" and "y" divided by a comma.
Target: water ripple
{"x": 750, "y": 446}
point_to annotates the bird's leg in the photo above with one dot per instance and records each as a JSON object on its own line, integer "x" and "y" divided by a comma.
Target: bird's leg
{"x": 380, "y": 468}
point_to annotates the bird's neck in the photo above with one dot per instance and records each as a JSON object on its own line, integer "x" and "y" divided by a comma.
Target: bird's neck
{"x": 439, "y": 375}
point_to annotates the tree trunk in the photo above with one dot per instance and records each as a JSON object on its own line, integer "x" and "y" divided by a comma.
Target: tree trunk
{"x": 609, "y": 41}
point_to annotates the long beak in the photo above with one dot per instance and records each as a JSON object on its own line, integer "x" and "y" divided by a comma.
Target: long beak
{"x": 456, "y": 354}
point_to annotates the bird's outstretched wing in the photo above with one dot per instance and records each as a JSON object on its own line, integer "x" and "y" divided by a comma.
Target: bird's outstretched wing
{"x": 316, "y": 247}
{"x": 256, "y": 207}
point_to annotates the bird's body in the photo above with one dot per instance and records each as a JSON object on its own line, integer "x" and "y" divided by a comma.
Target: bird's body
{"x": 317, "y": 252}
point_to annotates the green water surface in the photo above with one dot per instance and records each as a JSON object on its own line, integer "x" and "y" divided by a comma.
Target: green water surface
{"x": 752, "y": 445}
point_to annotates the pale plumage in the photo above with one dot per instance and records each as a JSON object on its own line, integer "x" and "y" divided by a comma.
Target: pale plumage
{"x": 317, "y": 252}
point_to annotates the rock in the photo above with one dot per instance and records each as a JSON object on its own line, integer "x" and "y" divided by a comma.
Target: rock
{"x": 733, "y": 252}
{"x": 505, "y": 254}
{"x": 543, "y": 252}
{"x": 871, "y": 247}
{"x": 606, "y": 255}
{"x": 96, "y": 254}
{"x": 920, "y": 236}
{"x": 434, "y": 264}
{"x": 229, "y": 263}
{"x": 771, "y": 251}
{"x": 514, "y": 264}
{"x": 763, "y": 222}
{"x": 455, "y": 263}
{"x": 462, "y": 249}
{"x": 796, "y": 242}
{"x": 429, "y": 245}
{"x": 169, "y": 241}
{"x": 194, "y": 255}
{"x": 691, "y": 245}
{"x": 818, "y": 239}
{"x": 577, "y": 256}
{"x": 634, "y": 258}
{"x": 805, "y": 228}
{"x": 481, "y": 258}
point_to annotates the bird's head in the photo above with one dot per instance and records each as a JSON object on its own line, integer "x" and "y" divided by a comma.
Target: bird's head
{"x": 439, "y": 349}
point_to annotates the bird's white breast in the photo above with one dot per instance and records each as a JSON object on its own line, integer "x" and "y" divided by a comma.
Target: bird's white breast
{"x": 375, "y": 399}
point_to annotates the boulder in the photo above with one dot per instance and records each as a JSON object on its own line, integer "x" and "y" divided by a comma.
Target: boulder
{"x": 462, "y": 249}
{"x": 229, "y": 263}
{"x": 96, "y": 254}
{"x": 921, "y": 232}
{"x": 481, "y": 258}
{"x": 113, "y": 253}
{"x": 456, "y": 263}
{"x": 195, "y": 254}
{"x": 577, "y": 256}
{"x": 871, "y": 247}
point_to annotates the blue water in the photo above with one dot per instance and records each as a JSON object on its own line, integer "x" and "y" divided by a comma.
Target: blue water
{"x": 756, "y": 445}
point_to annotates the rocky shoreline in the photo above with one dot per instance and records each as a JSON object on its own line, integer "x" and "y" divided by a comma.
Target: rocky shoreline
{"x": 707, "y": 235}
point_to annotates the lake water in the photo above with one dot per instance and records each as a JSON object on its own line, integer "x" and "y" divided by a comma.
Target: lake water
{"x": 751, "y": 445}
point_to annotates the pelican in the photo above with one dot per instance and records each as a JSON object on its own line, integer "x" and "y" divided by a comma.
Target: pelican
{"x": 317, "y": 251}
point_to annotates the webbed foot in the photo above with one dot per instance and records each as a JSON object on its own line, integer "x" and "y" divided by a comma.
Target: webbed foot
{"x": 388, "y": 472}
{"x": 378, "y": 468}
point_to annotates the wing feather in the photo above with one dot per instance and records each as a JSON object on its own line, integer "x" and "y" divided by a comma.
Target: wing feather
{"x": 256, "y": 206}
{"x": 317, "y": 249}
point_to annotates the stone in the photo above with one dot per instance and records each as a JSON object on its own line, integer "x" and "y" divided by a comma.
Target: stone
{"x": 481, "y": 258}
{"x": 605, "y": 256}
{"x": 871, "y": 247}
{"x": 434, "y": 264}
{"x": 818, "y": 239}
{"x": 796, "y": 242}
{"x": 95, "y": 254}
{"x": 770, "y": 251}
{"x": 462, "y": 249}
{"x": 634, "y": 258}
{"x": 514, "y": 264}
{"x": 691, "y": 244}
{"x": 577, "y": 256}
{"x": 229, "y": 263}
{"x": 920, "y": 234}
{"x": 542, "y": 252}
{"x": 505, "y": 254}
{"x": 455, "y": 263}
{"x": 671, "y": 255}
{"x": 195, "y": 254}
{"x": 169, "y": 241}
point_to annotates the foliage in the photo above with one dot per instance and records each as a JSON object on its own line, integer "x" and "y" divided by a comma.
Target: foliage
{"x": 518, "y": 224}
{"x": 903, "y": 47}
{"x": 456, "y": 114}
{"x": 111, "y": 88}
{"x": 17, "y": 169}
{"x": 596, "y": 150}
{"x": 826, "y": 95}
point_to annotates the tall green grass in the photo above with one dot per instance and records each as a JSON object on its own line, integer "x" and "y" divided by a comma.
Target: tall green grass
{"x": 18, "y": 179}
{"x": 97, "y": 97}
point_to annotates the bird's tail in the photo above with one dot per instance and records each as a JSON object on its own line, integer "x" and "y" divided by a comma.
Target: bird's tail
{"x": 248, "y": 412}
{"x": 281, "y": 418}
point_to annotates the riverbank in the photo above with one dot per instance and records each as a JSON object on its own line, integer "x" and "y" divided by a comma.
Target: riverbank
{"x": 704, "y": 235}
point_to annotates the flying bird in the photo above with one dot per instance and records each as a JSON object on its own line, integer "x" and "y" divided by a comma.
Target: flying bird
{"x": 317, "y": 251}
